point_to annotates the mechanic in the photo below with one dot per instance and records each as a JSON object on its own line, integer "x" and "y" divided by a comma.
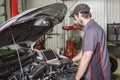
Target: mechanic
{"x": 94, "y": 63}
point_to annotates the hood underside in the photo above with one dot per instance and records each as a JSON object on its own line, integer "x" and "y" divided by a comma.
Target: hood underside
{"x": 31, "y": 24}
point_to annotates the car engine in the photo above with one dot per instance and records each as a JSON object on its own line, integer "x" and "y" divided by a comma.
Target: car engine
{"x": 26, "y": 66}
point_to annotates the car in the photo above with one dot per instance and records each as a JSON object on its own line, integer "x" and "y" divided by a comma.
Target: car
{"x": 18, "y": 60}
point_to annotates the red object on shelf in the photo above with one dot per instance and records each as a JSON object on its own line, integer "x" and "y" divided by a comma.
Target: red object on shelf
{"x": 14, "y": 8}
{"x": 72, "y": 27}
{"x": 70, "y": 46}
{"x": 67, "y": 28}
{"x": 70, "y": 49}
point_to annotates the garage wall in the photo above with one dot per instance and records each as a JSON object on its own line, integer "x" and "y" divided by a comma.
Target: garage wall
{"x": 113, "y": 11}
{"x": 2, "y": 17}
{"x": 103, "y": 11}
{"x": 36, "y": 3}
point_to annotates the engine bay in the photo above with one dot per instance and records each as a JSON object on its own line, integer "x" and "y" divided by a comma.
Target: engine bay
{"x": 34, "y": 66}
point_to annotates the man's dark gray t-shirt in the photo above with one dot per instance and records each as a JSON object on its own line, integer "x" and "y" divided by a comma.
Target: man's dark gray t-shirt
{"x": 94, "y": 40}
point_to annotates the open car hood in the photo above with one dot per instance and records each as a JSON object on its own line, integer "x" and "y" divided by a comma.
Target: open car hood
{"x": 31, "y": 24}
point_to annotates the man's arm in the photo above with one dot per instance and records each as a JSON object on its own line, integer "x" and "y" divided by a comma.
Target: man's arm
{"x": 77, "y": 57}
{"x": 83, "y": 64}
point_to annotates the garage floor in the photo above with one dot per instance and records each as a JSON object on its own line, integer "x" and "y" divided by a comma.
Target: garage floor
{"x": 116, "y": 74}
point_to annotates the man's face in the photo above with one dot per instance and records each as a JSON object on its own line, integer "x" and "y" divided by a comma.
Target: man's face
{"x": 78, "y": 18}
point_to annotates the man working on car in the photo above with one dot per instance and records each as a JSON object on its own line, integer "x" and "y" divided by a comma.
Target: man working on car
{"x": 94, "y": 58}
